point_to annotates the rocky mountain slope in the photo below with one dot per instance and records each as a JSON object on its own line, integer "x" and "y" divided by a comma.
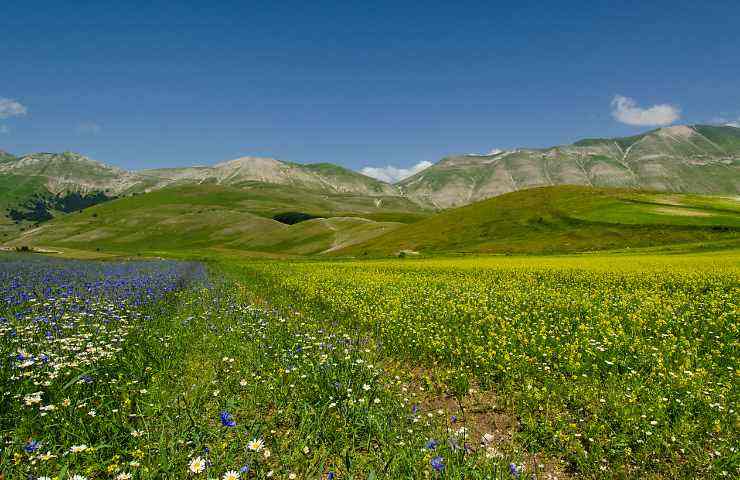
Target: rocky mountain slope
{"x": 318, "y": 176}
{"x": 65, "y": 172}
{"x": 697, "y": 159}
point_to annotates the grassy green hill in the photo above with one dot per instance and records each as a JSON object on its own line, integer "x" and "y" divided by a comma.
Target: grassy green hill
{"x": 14, "y": 190}
{"x": 541, "y": 220}
{"x": 214, "y": 216}
{"x": 565, "y": 219}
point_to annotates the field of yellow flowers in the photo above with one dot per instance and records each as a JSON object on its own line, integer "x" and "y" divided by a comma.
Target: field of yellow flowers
{"x": 607, "y": 366}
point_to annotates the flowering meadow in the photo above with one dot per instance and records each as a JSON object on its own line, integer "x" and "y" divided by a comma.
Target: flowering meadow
{"x": 605, "y": 367}
{"x": 481, "y": 369}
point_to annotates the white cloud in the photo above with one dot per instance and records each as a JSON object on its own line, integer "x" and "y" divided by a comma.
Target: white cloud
{"x": 88, "y": 128}
{"x": 393, "y": 174}
{"x": 11, "y": 108}
{"x": 724, "y": 121}
{"x": 626, "y": 110}
{"x": 4, "y": 130}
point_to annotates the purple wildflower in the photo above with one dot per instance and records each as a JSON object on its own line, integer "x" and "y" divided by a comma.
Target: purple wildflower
{"x": 227, "y": 420}
{"x": 31, "y": 446}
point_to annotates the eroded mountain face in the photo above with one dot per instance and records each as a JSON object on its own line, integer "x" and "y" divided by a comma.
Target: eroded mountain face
{"x": 71, "y": 172}
{"x": 698, "y": 159}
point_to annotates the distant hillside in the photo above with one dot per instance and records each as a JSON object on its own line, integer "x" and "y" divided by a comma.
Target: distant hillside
{"x": 217, "y": 216}
{"x": 564, "y": 219}
{"x": 321, "y": 176}
{"x": 685, "y": 159}
{"x": 689, "y": 159}
{"x": 63, "y": 172}
{"x": 6, "y": 157}
{"x": 40, "y": 186}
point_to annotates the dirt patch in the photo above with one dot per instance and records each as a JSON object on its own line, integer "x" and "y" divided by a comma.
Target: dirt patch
{"x": 681, "y": 212}
{"x": 481, "y": 422}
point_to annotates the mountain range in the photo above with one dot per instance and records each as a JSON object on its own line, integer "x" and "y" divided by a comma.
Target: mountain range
{"x": 683, "y": 159}
{"x": 697, "y": 159}
{"x": 592, "y": 194}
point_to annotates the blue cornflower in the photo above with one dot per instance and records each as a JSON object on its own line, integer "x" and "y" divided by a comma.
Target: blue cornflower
{"x": 244, "y": 469}
{"x": 31, "y": 446}
{"x": 414, "y": 409}
{"x": 437, "y": 463}
{"x": 227, "y": 420}
{"x": 330, "y": 476}
{"x": 431, "y": 444}
{"x": 514, "y": 470}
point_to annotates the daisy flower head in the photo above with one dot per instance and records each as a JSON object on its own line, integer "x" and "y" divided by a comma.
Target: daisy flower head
{"x": 256, "y": 444}
{"x": 231, "y": 475}
{"x": 123, "y": 476}
{"x": 78, "y": 448}
{"x": 197, "y": 465}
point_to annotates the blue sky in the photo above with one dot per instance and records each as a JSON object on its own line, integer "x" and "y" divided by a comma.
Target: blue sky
{"x": 149, "y": 84}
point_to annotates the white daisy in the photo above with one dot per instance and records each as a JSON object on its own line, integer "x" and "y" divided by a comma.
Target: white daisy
{"x": 256, "y": 444}
{"x": 197, "y": 465}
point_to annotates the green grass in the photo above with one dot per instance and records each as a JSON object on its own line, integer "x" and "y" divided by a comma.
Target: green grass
{"x": 14, "y": 191}
{"x": 535, "y": 221}
{"x": 565, "y": 219}
{"x": 213, "y": 216}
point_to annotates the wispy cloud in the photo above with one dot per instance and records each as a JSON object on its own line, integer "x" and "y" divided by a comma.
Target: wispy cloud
{"x": 626, "y": 110}
{"x": 11, "y": 108}
{"x": 727, "y": 122}
{"x": 393, "y": 174}
{"x": 88, "y": 128}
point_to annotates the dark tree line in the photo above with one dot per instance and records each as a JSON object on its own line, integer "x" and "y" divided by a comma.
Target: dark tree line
{"x": 38, "y": 208}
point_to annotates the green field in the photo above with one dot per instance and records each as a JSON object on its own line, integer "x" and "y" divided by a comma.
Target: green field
{"x": 547, "y": 220}
{"x": 565, "y": 219}
{"x": 218, "y": 217}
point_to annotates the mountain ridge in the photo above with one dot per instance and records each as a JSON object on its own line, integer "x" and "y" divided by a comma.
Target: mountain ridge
{"x": 680, "y": 158}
